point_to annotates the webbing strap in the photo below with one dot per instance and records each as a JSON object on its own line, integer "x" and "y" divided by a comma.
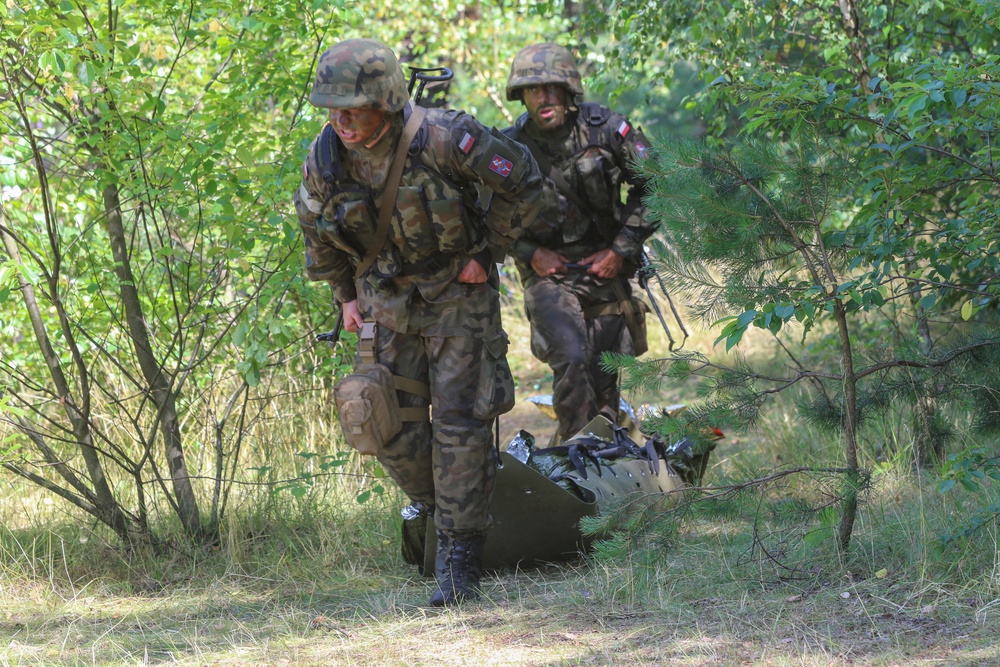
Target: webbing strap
{"x": 366, "y": 343}
{"x": 601, "y": 309}
{"x": 366, "y": 352}
{"x": 391, "y": 189}
{"x": 626, "y": 303}
{"x": 411, "y": 386}
{"x": 415, "y": 414}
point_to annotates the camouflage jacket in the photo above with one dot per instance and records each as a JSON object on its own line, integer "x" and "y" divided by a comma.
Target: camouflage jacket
{"x": 437, "y": 224}
{"x": 594, "y": 152}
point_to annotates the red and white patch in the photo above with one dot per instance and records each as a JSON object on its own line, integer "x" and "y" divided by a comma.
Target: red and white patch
{"x": 624, "y": 128}
{"x": 501, "y": 165}
{"x": 641, "y": 149}
{"x": 305, "y": 170}
{"x": 467, "y": 142}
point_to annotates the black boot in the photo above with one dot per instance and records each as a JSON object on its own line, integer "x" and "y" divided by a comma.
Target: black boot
{"x": 457, "y": 568}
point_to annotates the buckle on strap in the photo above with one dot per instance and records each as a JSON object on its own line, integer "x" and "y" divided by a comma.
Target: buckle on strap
{"x": 366, "y": 342}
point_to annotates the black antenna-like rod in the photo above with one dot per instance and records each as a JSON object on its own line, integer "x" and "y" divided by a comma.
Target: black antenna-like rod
{"x": 426, "y": 75}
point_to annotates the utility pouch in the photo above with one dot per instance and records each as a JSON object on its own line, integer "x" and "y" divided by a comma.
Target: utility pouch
{"x": 367, "y": 402}
{"x": 368, "y": 408}
{"x": 495, "y": 390}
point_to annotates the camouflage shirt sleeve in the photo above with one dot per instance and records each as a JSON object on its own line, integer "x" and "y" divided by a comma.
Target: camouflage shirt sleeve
{"x": 630, "y": 146}
{"x": 323, "y": 261}
{"x": 475, "y": 153}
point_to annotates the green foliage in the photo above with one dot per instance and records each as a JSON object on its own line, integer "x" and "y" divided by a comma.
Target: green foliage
{"x": 858, "y": 213}
{"x": 972, "y": 470}
{"x": 179, "y": 323}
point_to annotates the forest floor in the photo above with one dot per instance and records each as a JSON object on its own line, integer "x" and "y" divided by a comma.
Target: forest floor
{"x": 328, "y": 587}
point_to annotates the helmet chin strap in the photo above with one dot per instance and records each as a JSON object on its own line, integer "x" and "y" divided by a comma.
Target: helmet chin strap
{"x": 379, "y": 131}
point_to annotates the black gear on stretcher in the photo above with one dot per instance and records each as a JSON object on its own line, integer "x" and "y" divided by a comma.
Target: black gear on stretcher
{"x": 542, "y": 494}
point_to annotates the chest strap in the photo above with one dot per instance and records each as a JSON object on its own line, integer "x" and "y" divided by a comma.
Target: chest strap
{"x": 391, "y": 189}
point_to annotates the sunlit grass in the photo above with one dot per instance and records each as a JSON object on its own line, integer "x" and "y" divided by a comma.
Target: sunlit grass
{"x": 317, "y": 579}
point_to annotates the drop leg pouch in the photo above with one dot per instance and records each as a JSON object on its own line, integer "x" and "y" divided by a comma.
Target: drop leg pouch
{"x": 368, "y": 408}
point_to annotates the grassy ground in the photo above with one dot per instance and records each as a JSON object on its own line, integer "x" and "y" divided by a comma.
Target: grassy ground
{"x": 319, "y": 580}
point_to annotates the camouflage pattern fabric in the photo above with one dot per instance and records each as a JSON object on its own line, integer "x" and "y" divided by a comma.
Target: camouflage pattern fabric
{"x": 539, "y": 64}
{"x": 594, "y": 152}
{"x": 357, "y": 73}
{"x": 430, "y": 327}
{"x": 435, "y": 215}
{"x": 450, "y": 461}
{"x": 571, "y": 345}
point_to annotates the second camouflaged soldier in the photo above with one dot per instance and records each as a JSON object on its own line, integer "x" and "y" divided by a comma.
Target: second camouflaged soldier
{"x": 575, "y": 261}
{"x": 428, "y": 281}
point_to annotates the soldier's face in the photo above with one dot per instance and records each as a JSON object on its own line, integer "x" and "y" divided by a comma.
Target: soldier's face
{"x": 358, "y": 127}
{"x": 547, "y": 105}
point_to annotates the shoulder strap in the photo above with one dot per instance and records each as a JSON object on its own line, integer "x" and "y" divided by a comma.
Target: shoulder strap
{"x": 327, "y": 156}
{"x": 391, "y": 188}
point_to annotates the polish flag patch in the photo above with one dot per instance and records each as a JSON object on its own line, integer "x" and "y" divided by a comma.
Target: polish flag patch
{"x": 624, "y": 128}
{"x": 501, "y": 165}
{"x": 467, "y": 142}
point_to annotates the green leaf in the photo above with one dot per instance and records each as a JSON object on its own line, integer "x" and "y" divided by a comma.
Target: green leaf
{"x": 746, "y": 318}
{"x": 784, "y": 311}
{"x": 970, "y": 484}
{"x": 967, "y": 310}
{"x": 946, "y": 486}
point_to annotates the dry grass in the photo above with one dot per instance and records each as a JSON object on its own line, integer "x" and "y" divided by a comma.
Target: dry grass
{"x": 319, "y": 581}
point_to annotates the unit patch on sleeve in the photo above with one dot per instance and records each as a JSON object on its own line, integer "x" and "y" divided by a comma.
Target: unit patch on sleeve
{"x": 467, "y": 143}
{"x": 641, "y": 149}
{"x": 624, "y": 128}
{"x": 501, "y": 165}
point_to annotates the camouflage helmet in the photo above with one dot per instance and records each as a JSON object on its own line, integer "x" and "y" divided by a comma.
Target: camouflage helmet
{"x": 359, "y": 73}
{"x": 539, "y": 64}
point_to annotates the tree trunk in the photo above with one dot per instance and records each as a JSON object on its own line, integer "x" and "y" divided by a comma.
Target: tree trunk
{"x": 98, "y": 501}
{"x": 160, "y": 385}
{"x": 849, "y": 507}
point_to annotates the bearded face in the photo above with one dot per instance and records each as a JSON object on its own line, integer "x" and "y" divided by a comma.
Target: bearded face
{"x": 547, "y": 105}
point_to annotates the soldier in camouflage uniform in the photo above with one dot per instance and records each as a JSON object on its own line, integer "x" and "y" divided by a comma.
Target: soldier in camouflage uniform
{"x": 432, "y": 288}
{"x": 575, "y": 261}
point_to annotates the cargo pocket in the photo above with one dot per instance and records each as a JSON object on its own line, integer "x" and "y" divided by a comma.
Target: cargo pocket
{"x": 592, "y": 172}
{"x": 495, "y": 392}
{"x": 448, "y": 219}
{"x": 355, "y": 217}
{"x": 413, "y": 226}
{"x": 640, "y": 341}
{"x": 539, "y": 349}
{"x": 331, "y": 233}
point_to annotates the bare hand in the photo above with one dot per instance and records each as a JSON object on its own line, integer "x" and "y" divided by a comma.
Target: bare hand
{"x": 473, "y": 273}
{"x": 604, "y": 263}
{"x": 546, "y": 262}
{"x": 352, "y": 316}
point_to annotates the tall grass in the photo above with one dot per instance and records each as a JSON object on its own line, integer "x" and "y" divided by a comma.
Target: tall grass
{"x": 316, "y": 578}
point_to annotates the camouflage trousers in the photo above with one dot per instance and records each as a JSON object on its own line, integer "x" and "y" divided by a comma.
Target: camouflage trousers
{"x": 450, "y": 461}
{"x": 572, "y": 346}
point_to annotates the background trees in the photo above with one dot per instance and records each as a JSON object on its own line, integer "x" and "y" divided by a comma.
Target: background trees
{"x": 151, "y": 299}
{"x": 152, "y": 305}
{"x": 896, "y": 247}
